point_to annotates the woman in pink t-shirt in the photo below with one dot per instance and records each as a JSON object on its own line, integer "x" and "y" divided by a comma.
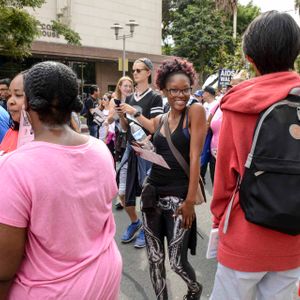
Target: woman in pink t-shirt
{"x": 56, "y": 224}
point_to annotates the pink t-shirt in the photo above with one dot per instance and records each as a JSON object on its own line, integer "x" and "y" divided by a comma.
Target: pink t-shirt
{"x": 63, "y": 195}
{"x": 215, "y": 126}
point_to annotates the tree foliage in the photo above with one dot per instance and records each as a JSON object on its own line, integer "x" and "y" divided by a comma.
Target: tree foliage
{"x": 201, "y": 33}
{"x": 201, "y": 30}
{"x": 226, "y": 5}
{"x": 246, "y": 14}
{"x": 21, "y": 3}
{"x": 70, "y": 35}
{"x": 18, "y": 29}
{"x": 169, "y": 7}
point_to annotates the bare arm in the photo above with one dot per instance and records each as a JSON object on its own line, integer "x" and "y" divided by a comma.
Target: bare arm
{"x": 112, "y": 111}
{"x": 148, "y": 124}
{"x": 197, "y": 127}
{"x": 12, "y": 244}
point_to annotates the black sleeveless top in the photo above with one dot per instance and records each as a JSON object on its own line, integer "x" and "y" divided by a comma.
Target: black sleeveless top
{"x": 173, "y": 182}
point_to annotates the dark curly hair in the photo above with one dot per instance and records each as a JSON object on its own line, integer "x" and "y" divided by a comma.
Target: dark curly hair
{"x": 51, "y": 90}
{"x": 174, "y": 66}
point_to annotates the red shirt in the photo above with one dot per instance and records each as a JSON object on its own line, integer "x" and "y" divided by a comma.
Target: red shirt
{"x": 10, "y": 141}
{"x": 248, "y": 247}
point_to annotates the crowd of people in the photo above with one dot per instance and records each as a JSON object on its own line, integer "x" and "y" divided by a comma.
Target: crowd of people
{"x": 57, "y": 230}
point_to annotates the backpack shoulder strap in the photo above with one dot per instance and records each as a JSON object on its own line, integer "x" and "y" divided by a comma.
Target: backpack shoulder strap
{"x": 173, "y": 149}
{"x": 259, "y": 123}
{"x": 229, "y": 207}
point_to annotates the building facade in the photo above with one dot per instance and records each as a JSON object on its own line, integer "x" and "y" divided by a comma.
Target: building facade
{"x": 96, "y": 60}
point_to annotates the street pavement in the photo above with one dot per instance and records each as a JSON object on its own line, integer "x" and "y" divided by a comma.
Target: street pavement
{"x": 136, "y": 284}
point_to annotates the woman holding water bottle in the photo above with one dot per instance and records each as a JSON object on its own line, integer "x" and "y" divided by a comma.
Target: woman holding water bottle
{"x": 168, "y": 198}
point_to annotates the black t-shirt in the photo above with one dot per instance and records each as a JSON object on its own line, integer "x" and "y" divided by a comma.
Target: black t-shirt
{"x": 90, "y": 103}
{"x": 149, "y": 104}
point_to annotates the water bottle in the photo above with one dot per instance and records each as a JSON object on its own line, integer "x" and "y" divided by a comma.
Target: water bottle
{"x": 139, "y": 135}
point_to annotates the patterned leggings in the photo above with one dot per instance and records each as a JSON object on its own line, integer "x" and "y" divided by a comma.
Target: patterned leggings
{"x": 159, "y": 223}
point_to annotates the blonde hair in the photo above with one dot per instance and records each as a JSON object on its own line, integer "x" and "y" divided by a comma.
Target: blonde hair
{"x": 118, "y": 91}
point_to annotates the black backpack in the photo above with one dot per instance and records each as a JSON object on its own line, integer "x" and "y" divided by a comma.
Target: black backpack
{"x": 270, "y": 188}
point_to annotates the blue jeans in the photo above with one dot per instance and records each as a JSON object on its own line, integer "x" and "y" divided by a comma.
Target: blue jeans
{"x": 94, "y": 130}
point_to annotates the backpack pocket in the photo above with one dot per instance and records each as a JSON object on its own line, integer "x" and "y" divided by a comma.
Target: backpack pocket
{"x": 270, "y": 194}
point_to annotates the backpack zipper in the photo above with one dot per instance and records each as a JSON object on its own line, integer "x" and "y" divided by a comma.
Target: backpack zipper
{"x": 263, "y": 117}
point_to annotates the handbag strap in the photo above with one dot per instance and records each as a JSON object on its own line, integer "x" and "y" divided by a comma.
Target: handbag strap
{"x": 180, "y": 159}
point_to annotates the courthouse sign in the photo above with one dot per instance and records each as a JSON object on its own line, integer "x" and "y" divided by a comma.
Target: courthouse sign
{"x": 47, "y": 31}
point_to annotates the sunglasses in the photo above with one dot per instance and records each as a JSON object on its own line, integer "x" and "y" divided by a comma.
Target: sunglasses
{"x": 138, "y": 70}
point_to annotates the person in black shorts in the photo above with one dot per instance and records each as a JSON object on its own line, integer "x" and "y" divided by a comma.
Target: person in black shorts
{"x": 143, "y": 103}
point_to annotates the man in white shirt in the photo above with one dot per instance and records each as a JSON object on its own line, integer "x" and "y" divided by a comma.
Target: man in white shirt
{"x": 209, "y": 95}
{"x": 210, "y": 101}
{"x": 199, "y": 96}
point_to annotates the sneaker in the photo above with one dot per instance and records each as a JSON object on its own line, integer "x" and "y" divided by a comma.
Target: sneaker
{"x": 131, "y": 231}
{"x": 140, "y": 240}
{"x": 193, "y": 295}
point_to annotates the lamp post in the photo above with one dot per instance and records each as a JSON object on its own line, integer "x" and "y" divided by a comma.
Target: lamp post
{"x": 117, "y": 27}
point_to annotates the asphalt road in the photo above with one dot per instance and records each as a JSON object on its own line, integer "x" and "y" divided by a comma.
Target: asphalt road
{"x": 136, "y": 284}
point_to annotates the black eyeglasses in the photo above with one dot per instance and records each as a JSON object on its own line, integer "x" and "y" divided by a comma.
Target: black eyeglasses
{"x": 138, "y": 70}
{"x": 177, "y": 92}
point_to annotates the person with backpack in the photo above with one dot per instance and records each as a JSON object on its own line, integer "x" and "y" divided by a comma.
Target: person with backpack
{"x": 258, "y": 259}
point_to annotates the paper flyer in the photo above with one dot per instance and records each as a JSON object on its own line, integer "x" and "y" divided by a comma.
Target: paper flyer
{"x": 151, "y": 156}
{"x": 213, "y": 242}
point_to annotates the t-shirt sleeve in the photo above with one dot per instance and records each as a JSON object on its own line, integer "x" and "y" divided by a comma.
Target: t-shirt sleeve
{"x": 157, "y": 107}
{"x": 14, "y": 201}
{"x": 89, "y": 104}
